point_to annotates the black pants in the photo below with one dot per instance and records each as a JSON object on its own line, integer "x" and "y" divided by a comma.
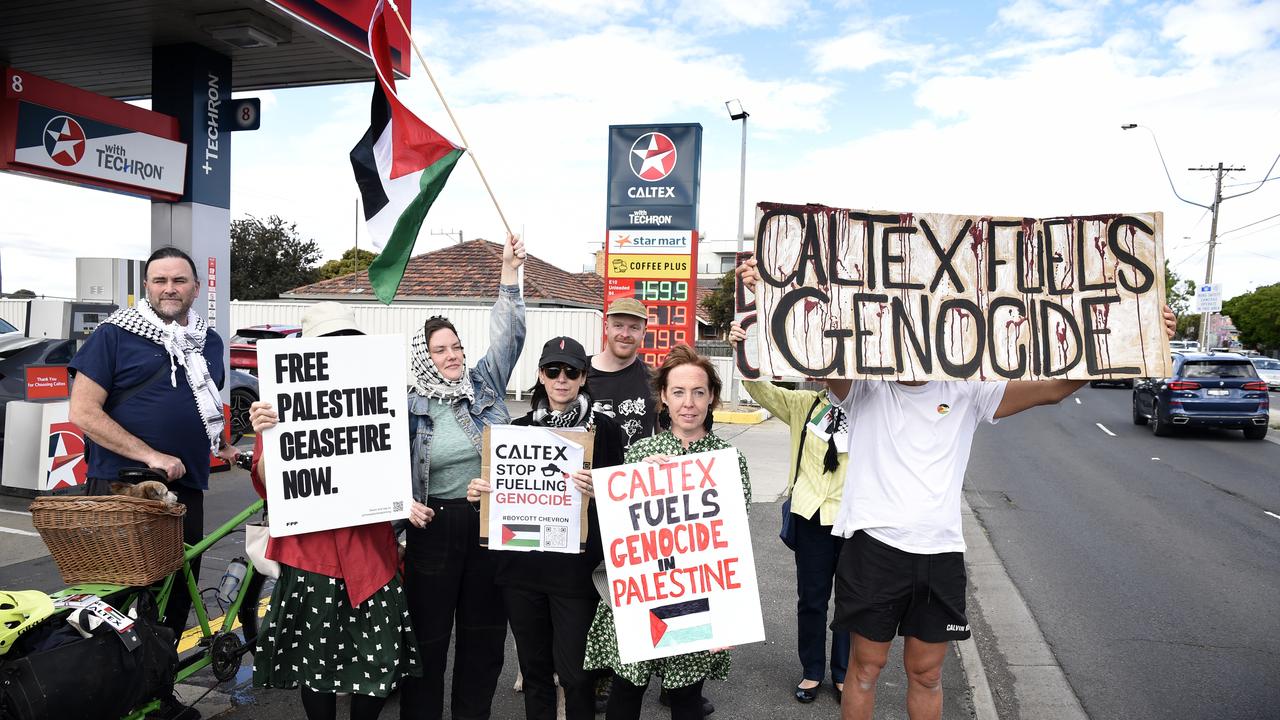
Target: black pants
{"x": 817, "y": 554}
{"x": 551, "y": 637}
{"x": 175, "y": 613}
{"x": 626, "y": 701}
{"x": 448, "y": 582}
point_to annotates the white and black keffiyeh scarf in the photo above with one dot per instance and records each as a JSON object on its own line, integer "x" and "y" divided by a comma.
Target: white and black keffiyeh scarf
{"x": 184, "y": 344}
{"x": 427, "y": 379}
{"x": 578, "y": 413}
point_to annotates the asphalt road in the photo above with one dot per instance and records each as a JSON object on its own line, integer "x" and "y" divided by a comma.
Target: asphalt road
{"x": 1151, "y": 564}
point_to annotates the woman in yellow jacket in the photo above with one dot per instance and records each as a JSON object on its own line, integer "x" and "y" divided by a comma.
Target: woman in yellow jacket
{"x": 819, "y": 455}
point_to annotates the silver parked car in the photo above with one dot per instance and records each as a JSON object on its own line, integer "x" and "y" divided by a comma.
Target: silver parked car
{"x": 1269, "y": 371}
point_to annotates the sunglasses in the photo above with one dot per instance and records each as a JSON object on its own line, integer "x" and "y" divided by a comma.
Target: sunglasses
{"x": 553, "y": 371}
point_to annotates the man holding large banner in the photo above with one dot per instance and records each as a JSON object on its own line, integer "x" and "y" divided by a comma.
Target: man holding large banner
{"x": 1005, "y": 308}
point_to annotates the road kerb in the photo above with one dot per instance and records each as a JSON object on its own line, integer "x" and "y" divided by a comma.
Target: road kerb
{"x": 984, "y": 705}
{"x": 1040, "y": 685}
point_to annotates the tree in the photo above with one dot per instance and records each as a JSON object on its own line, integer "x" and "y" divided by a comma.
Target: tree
{"x": 1257, "y": 316}
{"x": 1188, "y": 327}
{"x": 22, "y": 294}
{"x": 1178, "y": 292}
{"x": 268, "y": 258}
{"x": 353, "y": 260}
{"x": 720, "y": 303}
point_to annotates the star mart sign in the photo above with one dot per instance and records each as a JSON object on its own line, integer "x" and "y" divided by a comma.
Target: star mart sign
{"x": 64, "y": 133}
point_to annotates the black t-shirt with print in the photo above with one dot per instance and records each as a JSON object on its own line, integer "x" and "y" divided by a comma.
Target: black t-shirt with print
{"x": 627, "y": 396}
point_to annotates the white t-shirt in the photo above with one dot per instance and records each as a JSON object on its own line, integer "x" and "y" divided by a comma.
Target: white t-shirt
{"x": 908, "y": 451}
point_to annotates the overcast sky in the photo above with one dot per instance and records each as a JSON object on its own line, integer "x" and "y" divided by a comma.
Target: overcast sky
{"x": 977, "y": 108}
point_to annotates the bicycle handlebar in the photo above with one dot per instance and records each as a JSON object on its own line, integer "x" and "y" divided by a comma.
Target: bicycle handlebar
{"x": 135, "y": 475}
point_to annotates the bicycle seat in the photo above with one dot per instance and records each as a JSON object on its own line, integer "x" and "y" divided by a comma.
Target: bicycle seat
{"x": 134, "y": 475}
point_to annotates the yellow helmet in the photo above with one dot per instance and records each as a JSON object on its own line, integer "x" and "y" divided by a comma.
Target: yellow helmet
{"x": 20, "y": 610}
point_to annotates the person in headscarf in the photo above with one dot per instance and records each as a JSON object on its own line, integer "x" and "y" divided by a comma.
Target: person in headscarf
{"x": 550, "y": 597}
{"x": 449, "y": 578}
{"x": 819, "y": 457}
{"x": 338, "y": 621}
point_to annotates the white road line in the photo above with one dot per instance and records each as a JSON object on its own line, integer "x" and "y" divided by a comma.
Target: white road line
{"x": 1104, "y": 429}
{"x": 1078, "y": 401}
{"x": 15, "y": 512}
{"x": 20, "y": 532}
{"x": 1272, "y": 514}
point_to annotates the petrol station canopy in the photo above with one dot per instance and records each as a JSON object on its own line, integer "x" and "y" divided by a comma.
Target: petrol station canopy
{"x": 105, "y": 46}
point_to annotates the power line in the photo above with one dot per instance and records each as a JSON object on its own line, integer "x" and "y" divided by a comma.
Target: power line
{"x": 1257, "y": 222}
{"x": 1258, "y": 182}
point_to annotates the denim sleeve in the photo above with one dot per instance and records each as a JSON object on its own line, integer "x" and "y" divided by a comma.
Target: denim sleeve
{"x": 506, "y": 338}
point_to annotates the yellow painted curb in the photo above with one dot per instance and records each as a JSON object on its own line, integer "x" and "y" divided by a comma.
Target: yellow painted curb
{"x": 741, "y": 417}
{"x": 193, "y": 635}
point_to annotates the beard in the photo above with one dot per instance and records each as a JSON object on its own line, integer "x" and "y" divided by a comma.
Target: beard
{"x": 163, "y": 309}
{"x": 623, "y": 352}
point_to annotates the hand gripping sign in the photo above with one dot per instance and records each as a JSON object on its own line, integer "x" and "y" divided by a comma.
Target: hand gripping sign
{"x": 340, "y": 454}
{"x": 677, "y": 550}
{"x": 534, "y": 504}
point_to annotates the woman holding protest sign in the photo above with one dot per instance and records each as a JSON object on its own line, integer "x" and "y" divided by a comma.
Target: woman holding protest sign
{"x": 688, "y": 391}
{"x": 338, "y": 621}
{"x": 819, "y": 448}
{"x": 449, "y": 578}
{"x": 549, "y": 596}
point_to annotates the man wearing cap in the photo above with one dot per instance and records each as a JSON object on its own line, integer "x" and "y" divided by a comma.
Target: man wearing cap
{"x": 619, "y": 382}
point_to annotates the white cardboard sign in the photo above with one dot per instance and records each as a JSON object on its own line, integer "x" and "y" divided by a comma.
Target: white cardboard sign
{"x": 677, "y": 550}
{"x": 339, "y": 456}
{"x": 534, "y": 504}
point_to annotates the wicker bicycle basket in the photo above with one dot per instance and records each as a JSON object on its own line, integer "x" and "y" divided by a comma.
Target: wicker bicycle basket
{"x": 110, "y": 539}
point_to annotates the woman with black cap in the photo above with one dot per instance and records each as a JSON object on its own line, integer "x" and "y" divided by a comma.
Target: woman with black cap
{"x": 550, "y": 598}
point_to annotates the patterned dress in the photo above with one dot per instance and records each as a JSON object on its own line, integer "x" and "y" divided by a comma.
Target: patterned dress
{"x": 602, "y": 641}
{"x": 313, "y": 637}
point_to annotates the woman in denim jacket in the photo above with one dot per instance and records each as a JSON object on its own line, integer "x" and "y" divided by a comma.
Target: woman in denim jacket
{"x": 449, "y": 578}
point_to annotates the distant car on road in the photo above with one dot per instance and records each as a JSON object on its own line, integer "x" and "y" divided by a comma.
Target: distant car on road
{"x": 1207, "y": 390}
{"x": 1184, "y": 346}
{"x": 244, "y": 392}
{"x": 244, "y": 354}
{"x": 1269, "y": 370}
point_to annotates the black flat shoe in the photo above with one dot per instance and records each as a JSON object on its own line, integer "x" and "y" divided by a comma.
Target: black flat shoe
{"x": 707, "y": 707}
{"x": 839, "y": 693}
{"x": 807, "y": 695}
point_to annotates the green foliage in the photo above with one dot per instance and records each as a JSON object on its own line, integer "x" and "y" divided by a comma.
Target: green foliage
{"x": 269, "y": 257}
{"x": 353, "y": 260}
{"x": 1178, "y": 292}
{"x": 1257, "y": 316}
{"x": 719, "y": 304}
{"x": 1188, "y": 327}
{"x": 22, "y": 294}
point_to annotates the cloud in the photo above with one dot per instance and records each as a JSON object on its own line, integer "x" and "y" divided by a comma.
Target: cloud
{"x": 862, "y": 47}
{"x": 1209, "y": 30}
{"x": 1054, "y": 18}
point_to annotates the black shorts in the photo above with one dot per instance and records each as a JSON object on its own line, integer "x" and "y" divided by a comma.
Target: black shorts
{"x": 882, "y": 591}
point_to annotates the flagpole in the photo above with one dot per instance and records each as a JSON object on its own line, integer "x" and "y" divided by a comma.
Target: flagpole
{"x": 396, "y": 9}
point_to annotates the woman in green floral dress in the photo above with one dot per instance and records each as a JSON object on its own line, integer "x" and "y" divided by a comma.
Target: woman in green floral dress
{"x": 688, "y": 390}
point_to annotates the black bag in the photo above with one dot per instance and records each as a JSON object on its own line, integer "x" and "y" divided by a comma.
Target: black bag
{"x": 64, "y": 675}
{"x": 788, "y": 531}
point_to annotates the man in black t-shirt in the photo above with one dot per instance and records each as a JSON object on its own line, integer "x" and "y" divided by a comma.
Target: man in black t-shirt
{"x": 618, "y": 380}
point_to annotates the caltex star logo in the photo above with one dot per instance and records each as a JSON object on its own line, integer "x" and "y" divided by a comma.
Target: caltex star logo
{"x": 67, "y": 466}
{"x": 64, "y": 140}
{"x": 653, "y": 156}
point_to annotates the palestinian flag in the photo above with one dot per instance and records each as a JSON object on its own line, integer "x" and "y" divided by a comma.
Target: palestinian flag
{"x": 680, "y": 623}
{"x": 401, "y": 165}
{"x": 522, "y": 536}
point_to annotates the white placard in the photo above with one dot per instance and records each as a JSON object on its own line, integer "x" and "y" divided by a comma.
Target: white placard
{"x": 677, "y": 549}
{"x": 1208, "y": 298}
{"x": 340, "y": 454}
{"x": 534, "y": 504}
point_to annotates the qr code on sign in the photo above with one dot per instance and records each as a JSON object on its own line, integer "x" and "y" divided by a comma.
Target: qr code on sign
{"x": 397, "y": 506}
{"x": 555, "y": 536}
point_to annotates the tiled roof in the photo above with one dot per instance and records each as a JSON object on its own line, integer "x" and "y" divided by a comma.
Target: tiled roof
{"x": 467, "y": 270}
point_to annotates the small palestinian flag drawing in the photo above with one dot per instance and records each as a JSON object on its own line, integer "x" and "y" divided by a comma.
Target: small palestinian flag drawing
{"x": 526, "y": 536}
{"x": 680, "y": 623}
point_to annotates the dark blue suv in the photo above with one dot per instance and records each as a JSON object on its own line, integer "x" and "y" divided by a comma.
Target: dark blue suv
{"x": 1206, "y": 389}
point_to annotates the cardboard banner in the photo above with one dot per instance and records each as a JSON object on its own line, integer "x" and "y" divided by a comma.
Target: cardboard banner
{"x": 534, "y": 504}
{"x": 340, "y": 454}
{"x": 859, "y": 294}
{"x": 677, "y": 549}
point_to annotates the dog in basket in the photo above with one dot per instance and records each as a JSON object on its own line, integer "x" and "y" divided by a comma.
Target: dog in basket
{"x": 147, "y": 490}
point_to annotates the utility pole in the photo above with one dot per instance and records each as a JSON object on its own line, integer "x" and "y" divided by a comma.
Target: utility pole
{"x": 1213, "y": 239}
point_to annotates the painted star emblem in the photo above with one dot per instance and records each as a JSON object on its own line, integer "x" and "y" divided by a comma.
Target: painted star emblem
{"x": 654, "y": 156}
{"x": 64, "y": 141}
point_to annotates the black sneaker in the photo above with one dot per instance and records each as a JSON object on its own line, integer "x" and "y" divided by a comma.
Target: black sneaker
{"x": 603, "y": 686}
{"x": 171, "y": 708}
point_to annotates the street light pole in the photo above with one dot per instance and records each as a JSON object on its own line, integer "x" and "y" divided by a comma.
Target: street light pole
{"x": 737, "y": 113}
{"x": 1220, "y": 170}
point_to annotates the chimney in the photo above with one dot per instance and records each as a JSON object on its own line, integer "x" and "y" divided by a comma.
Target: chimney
{"x": 600, "y": 262}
